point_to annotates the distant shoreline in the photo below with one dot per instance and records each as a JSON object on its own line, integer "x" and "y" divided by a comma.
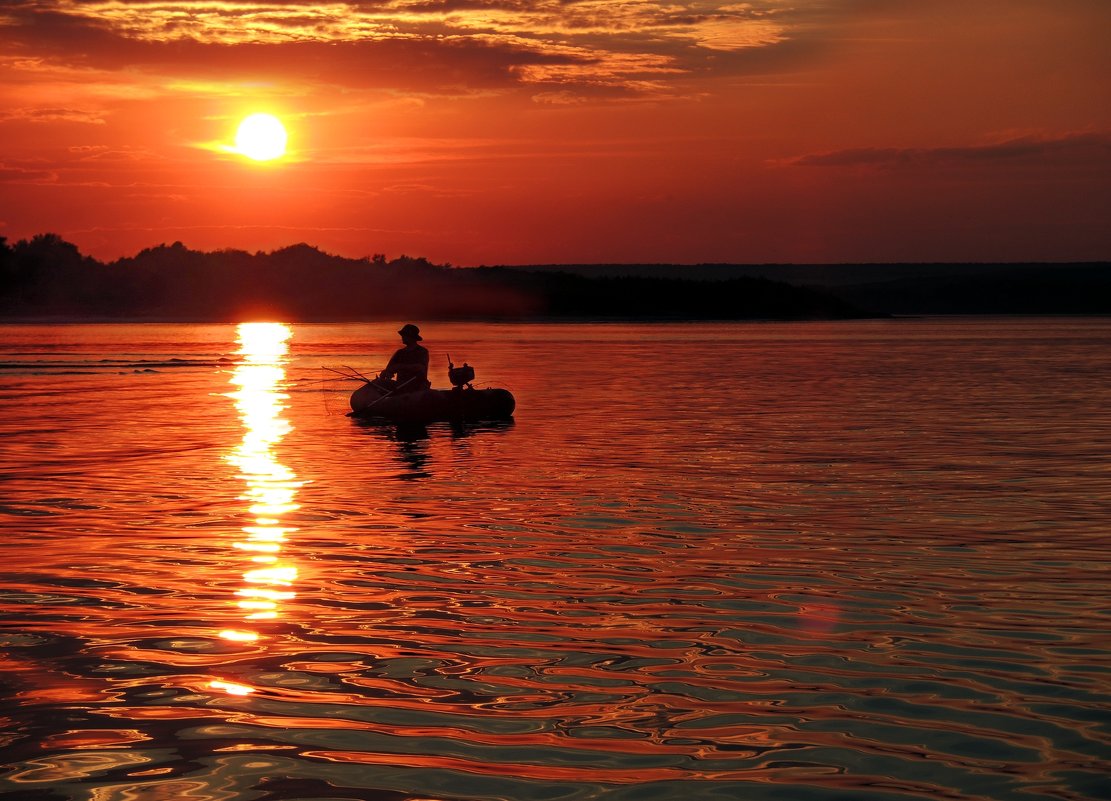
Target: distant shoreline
{"x": 46, "y": 321}
{"x": 47, "y": 279}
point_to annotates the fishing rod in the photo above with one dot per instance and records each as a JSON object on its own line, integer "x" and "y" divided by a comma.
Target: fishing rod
{"x": 351, "y": 375}
{"x": 356, "y": 372}
{"x": 323, "y": 380}
{"x": 391, "y": 392}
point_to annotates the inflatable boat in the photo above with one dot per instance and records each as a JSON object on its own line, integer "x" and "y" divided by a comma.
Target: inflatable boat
{"x": 374, "y": 401}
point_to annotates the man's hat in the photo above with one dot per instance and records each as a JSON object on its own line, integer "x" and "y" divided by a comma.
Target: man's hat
{"x": 410, "y": 330}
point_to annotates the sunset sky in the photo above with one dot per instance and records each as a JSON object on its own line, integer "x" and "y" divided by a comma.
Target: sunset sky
{"x": 534, "y": 131}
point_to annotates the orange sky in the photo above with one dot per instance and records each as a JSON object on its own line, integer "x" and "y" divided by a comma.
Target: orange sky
{"x": 527, "y": 131}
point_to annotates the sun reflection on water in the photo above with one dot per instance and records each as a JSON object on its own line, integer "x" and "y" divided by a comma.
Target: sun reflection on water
{"x": 271, "y": 487}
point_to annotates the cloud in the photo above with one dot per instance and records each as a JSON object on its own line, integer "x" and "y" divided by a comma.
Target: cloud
{"x": 103, "y": 153}
{"x": 561, "y": 97}
{"x": 428, "y": 64}
{"x": 19, "y": 175}
{"x": 246, "y": 22}
{"x": 53, "y": 114}
{"x": 1084, "y": 149}
{"x": 424, "y": 45}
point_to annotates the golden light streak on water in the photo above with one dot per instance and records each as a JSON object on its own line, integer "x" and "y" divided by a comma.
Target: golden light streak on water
{"x": 268, "y": 605}
{"x": 235, "y": 635}
{"x": 270, "y": 595}
{"x": 257, "y": 546}
{"x": 231, "y": 687}
{"x": 270, "y": 487}
{"x": 272, "y": 575}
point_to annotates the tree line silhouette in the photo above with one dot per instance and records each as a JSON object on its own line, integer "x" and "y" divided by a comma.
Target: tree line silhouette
{"x": 981, "y": 288}
{"x": 46, "y": 276}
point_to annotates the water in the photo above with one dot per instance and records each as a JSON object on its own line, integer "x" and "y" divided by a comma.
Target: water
{"x": 746, "y": 561}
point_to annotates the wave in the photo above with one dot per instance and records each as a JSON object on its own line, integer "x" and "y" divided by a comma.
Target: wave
{"x": 52, "y": 366}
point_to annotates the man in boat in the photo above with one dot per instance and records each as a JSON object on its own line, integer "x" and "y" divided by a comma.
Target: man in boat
{"x": 409, "y": 364}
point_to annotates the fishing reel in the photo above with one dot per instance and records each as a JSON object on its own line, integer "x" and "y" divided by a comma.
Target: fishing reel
{"x": 460, "y": 376}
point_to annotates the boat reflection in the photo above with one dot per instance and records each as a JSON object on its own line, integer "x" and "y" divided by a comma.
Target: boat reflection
{"x": 413, "y": 441}
{"x": 271, "y": 487}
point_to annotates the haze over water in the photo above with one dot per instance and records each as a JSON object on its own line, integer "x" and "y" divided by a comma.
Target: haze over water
{"x": 860, "y": 560}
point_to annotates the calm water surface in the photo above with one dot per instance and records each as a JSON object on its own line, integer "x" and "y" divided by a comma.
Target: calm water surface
{"x": 748, "y": 561}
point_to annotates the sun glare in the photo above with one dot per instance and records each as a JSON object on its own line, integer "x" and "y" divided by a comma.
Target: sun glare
{"x": 261, "y": 137}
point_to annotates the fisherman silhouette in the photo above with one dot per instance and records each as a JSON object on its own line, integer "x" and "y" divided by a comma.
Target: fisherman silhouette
{"x": 409, "y": 364}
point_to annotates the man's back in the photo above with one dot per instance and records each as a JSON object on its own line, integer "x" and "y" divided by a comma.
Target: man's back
{"x": 410, "y": 365}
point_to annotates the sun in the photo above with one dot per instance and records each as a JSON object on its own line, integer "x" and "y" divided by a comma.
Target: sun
{"x": 261, "y": 137}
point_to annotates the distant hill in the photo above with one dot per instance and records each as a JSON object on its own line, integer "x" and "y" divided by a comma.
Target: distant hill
{"x": 48, "y": 277}
{"x": 1071, "y": 288}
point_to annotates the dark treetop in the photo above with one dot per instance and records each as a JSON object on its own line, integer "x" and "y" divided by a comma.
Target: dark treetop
{"x": 48, "y": 277}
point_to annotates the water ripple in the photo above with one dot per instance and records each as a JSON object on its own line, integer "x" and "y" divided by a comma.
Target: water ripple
{"x": 871, "y": 564}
